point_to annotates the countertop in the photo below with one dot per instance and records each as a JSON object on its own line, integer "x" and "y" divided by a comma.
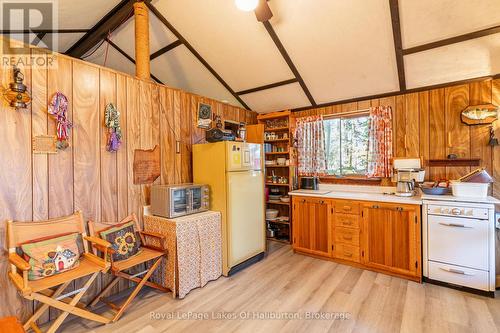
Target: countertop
{"x": 359, "y": 192}
{"x": 380, "y": 194}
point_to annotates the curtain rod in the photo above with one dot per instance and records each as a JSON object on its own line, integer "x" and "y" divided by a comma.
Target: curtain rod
{"x": 347, "y": 113}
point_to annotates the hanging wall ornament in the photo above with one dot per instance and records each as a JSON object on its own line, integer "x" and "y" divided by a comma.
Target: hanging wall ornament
{"x": 58, "y": 108}
{"x": 112, "y": 122}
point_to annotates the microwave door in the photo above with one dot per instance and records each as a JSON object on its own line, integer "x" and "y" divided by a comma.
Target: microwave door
{"x": 196, "y": 198}
{"x": 179, "y": 202}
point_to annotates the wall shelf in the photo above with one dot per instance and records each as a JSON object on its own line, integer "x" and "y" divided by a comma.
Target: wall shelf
{"x": 276, "y": 202}
{"x": 278, "y": 153}
{"x": 454, "y": 162}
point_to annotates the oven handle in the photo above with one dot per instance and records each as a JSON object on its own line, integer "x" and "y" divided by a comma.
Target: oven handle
{"x": 455, "y": 271}
{"x": 189, "y": 200}
{"x": 455, "y": 225}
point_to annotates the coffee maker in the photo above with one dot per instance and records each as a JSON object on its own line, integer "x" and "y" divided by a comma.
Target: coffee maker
{"x": 407, "y": 172}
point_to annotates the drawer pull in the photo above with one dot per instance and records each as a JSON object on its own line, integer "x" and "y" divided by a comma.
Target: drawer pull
{"x": 375, "y": 206}
{"x": 347, "y": 222}
{"x": 347, "y": 237}
{"x": 455, "y": 225}
{"x": 347, "y": 254}
{"x": 348, "y": 208}
{"x": 456, "y": 271}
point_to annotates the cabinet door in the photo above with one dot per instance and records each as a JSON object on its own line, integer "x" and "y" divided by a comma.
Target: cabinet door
{"x": 255, "y": 133}
{"x": 321, "y": 214}
{"x": 301, "y": 224}
{"x": 312, "y": 219}
{"x": 391, "y": 238}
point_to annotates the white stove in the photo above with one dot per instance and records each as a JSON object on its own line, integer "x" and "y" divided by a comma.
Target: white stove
{"x": 459, "y": 241}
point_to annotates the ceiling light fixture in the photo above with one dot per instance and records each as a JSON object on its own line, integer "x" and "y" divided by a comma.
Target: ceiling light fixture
{"x": 247, "y": 5}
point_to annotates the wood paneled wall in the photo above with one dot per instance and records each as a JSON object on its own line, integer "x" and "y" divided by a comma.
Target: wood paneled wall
{"x": 85, "y": 176}
{"x": 428, "y": 124}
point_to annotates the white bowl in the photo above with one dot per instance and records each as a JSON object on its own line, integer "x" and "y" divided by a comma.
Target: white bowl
{"x": 285, "y": 199}
{"x": 271, "y": 214}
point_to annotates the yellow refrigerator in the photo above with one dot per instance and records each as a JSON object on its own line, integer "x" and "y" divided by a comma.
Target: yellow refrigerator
{"x": 234, "y": 172}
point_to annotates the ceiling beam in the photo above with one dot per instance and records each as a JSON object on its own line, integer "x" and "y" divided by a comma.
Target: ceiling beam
{"x": 288, "y": 60}
{"x": 195, "y": 53}
{"x": 267, "y": 86}
{"x": 396, "y": 93}
{"x": 398, "y": 44}
{"x": 453, "y": 40}
{"x": 132, "y": 60}
{"x": 112, "y": 20}
{"x": 165, "y": 49}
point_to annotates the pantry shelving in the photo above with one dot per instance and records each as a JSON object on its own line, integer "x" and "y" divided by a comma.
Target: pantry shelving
{"x": 279, "y": 169}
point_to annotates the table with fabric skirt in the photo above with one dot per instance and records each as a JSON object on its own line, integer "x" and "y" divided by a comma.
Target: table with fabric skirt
{"x": 194, "y": 244}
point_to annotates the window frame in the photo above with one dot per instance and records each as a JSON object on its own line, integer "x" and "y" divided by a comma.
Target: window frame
{"x": 341, "y": 116}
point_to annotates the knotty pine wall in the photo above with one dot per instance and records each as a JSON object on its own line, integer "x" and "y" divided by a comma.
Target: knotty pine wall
{"x": 428, "y": 124}
{"x": 85, "y": 176}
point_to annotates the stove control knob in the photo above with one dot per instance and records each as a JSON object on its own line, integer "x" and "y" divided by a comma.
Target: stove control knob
{"x": 456, "y": 211}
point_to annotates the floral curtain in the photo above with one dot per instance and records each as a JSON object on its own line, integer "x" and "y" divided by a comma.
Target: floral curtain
{"x": 310, "y": 137}
{"x": 380, "y": 142}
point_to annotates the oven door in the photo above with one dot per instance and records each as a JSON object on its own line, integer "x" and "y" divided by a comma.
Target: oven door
{"x": 179, "y": 202}
{"x": 458, "y": 241}
{"x": 196, "y": 199}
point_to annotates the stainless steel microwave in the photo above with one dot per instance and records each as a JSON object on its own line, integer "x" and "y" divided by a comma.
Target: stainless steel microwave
{"x": 178, "y": 200}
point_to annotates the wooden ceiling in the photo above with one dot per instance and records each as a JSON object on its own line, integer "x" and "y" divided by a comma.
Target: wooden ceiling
{"x": 311, "y": 53}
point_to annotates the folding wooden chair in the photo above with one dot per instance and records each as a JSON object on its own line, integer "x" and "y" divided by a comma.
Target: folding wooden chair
{"x": 43, "y": 290}
{"x": 119, "y": 268}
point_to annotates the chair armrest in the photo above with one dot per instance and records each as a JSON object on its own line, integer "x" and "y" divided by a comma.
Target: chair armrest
{"x": 98, "y": 241}
{"x": 99, "y": 261}
{"x": 161, "y": 238}
{"x": 104, "y": 248}
{"x": 19, "y": 262}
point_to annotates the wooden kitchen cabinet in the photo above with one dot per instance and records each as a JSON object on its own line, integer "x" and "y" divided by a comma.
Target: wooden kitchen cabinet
{"x": 312, "y": 225}
{"x": 390, "y": 238}
{"x": 383, "y": 237}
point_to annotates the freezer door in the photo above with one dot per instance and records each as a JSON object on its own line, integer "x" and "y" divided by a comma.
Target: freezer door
{"x": 245, "y": 218}
{"x": 238, "y": 156}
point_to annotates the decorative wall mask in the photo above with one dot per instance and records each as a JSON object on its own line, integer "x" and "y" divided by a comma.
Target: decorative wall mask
{"x": 58, "y": 108}
{"x": 112, "y": 122}
{"x": 480, "y": 114}
{"x": 16, "y": 94}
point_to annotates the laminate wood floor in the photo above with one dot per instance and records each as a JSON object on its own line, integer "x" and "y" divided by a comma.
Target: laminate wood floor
{"x": 340, "y": 299}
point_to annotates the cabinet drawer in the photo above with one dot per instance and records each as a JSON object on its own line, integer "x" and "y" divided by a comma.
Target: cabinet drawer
{"x": 346, "y": 252}
{"x": 346, "y": 220}
{"x": 347, "y": 207}
{"x": 347, "y": 236}
{"x": 467, "y": 277}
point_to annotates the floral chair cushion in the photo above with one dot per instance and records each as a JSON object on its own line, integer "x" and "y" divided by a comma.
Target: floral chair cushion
{"x": 50, "y": 256}
{"x": 124, "y": 240}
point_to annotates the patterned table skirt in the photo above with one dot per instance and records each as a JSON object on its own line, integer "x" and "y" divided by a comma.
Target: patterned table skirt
{"x": 194, "y": 245}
